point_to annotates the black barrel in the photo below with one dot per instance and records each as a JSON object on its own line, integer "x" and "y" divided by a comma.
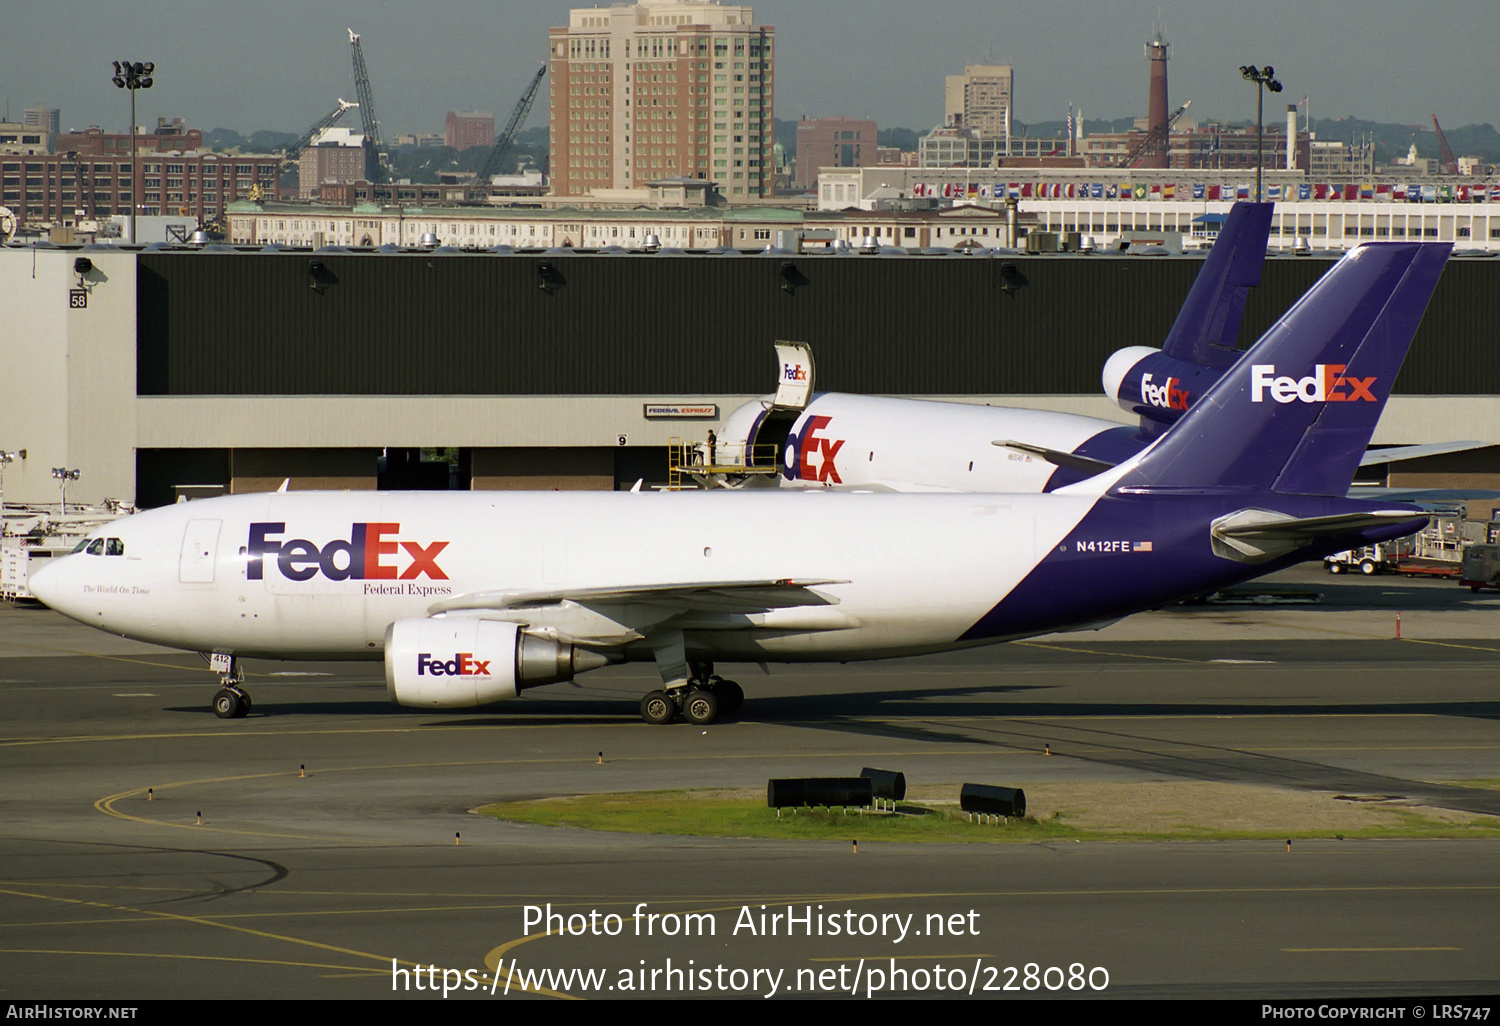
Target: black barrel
{"x": 992, "y": 801}
{"x": 810, "y": 791}
{"x": 887, "y": 784}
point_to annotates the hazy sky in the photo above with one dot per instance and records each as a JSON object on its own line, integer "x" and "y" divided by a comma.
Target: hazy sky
{"x": 281, "y": 64}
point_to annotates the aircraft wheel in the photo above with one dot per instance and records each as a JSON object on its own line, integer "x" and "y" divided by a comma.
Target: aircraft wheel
{"x": 658, "y": 707}
{"x": 730, "y": 695}
{"x": 1367, "y": 567}
{"x": 227, "y": 704}
{"x": 244, "y": 702}
{"x": 701, "y": 707}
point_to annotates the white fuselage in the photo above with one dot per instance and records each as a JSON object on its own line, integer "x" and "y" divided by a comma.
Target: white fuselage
{"x": 918, "y": 570}
{"x": 913, "y": 445}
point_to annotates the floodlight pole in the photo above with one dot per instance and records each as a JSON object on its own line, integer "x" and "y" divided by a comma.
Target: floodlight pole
{"x": 63, "y": 475}
{"x": 135, "y": 178}
{"x": 133, "y": 75}
{"x": 6, "y": 457}
{"x": 1262, "y": 78}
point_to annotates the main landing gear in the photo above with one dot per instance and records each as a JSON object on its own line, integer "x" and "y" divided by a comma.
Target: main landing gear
{"x": 701, "y": 699}
{"x": 231, "y": 701}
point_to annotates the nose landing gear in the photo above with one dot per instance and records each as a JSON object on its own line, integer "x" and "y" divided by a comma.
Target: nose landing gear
{"x": 231, "y": 701}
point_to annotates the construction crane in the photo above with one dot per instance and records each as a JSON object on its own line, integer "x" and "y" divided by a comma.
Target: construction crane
{"x": 326, "y": 121}
{"x": 1447, "y": 163}
{"x": 1157, "y": 139}
{"x": 367, "y": 110}
{"x": 492, "y": 163}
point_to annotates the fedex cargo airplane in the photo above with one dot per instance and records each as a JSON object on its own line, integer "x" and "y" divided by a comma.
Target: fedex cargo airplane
{"x": 839, "y": 440}
{"x": 470, "y": 598}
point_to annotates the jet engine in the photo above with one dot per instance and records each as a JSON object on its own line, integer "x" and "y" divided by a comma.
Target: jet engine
{"x": 1155, "y": 386}
{"x": 461, "y": 662}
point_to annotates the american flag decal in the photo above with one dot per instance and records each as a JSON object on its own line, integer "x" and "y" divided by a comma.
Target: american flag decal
{"x": 1141, "y": 547}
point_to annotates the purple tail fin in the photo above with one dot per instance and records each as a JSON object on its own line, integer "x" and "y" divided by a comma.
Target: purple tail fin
{"x": 1296, "y": 412}
{"x": 1207, "y": 328}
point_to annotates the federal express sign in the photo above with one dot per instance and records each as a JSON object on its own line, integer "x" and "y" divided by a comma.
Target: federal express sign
{"x": 691, "y": 411}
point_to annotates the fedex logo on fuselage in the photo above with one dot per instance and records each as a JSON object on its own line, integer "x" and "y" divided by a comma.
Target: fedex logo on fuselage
{"x": 369, "y": 553}
{"x": 793, "y": 372}
{"x": 463, "y": 664}
{"x": 1326, "y": 383}
{"x": 799, "y": 447}
{"x": 1170, "y": 396}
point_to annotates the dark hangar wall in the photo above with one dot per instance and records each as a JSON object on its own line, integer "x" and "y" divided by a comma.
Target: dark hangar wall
{"x": 480, "y": 324}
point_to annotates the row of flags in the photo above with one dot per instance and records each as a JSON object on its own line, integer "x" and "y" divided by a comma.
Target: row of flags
{"x": 1200, "y": 191}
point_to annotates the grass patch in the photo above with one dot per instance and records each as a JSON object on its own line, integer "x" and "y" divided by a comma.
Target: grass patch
{"x": 712, "y": 814}
{"x": 684, "y": 812}
{"x": 1489, "y": 784}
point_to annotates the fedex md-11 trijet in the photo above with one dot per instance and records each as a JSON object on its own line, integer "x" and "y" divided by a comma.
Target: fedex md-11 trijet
{"x": 798, "y": 438}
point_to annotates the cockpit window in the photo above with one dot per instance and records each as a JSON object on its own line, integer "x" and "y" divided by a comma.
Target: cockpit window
{"x": 80, "y": 546}
{"x": 96, "y": 547}
{"x": 114, "y": 547}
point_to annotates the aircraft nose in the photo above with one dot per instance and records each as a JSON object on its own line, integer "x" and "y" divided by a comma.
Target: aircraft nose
{"x": 51, "y": 585}
{"x": 43, "y": 584}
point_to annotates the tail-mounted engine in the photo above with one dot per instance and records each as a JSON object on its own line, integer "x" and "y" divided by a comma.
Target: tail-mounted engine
{"x": 1155, "y": 386}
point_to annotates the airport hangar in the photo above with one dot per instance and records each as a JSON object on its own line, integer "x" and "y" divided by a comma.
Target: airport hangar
{"x": 160, "y": 371}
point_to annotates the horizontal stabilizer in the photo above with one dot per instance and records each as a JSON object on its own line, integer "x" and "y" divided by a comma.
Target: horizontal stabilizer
{"x": 1427, "y": 498}
{"x": 1082, "y": 464}
{"x": 1256, "y": 535}
{"x": 1375, "y": 457}
{"x": 702, "y": 596}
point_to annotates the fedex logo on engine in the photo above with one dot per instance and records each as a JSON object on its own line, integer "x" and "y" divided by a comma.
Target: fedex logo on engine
{"x": 369, "y": 553}
{"x": 1326, "y": 383}
{"x": 463, "y": 664}
{"x": 800, "y": 446}
{"x": 1170, "y": 396}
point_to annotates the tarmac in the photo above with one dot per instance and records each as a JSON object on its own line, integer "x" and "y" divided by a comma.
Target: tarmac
{"x": 150, "y": 850}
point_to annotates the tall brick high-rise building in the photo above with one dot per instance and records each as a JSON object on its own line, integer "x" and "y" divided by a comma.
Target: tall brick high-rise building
{"x": 468, "y": 128}
{"x": 833, "y": 142}
{"x": 662, "y": 89}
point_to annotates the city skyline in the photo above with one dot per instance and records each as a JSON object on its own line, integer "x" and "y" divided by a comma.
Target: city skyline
{"x": 877, "y": 59}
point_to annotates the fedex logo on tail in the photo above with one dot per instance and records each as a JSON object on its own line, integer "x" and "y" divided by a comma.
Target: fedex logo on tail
{"x": 369, "y": 553}
{"x": 1326, "y": 383}
{"x": 1170, "y": 396}
{"x": 463, "y": 664}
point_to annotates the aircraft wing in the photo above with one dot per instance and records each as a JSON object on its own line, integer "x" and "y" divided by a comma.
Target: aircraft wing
{"x": 705, "y": 596}
{"x": 1393, "y": 453}
{"x": 612, "y": 617}
{"x": 1256, "y": 535}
